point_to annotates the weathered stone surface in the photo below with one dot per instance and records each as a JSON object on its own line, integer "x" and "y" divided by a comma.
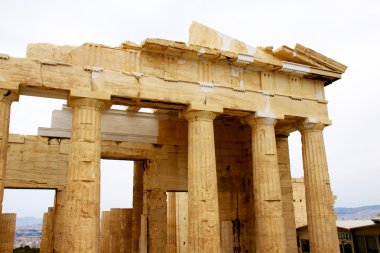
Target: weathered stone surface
{"x": 7, "y": 232}
{"x": 319, "y": 198}
{"x": 116, "y": 232}
{"x": 204, "y": 223}
{"x": 6, "y": 99}
{"x": 182, "y": 221}
{"x": 232, "y": 175}
{"x": 81, "y": 222}
{"x": 287, "y": 193}
{"x": 137, "y": 209}
{"x": 105, "y": 232}
{"x": 299, "y": 202}
{"x": 171, "y": 245}
{"x": 155, "y": 211}
{"x": 59, "y": 218}
{"x": 47, "y": 233}
{"x": 269, "y": 220}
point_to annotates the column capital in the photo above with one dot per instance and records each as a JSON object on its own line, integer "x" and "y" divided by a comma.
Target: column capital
{"x": 8, "y": 96}
{"x": 192, "y": 116}
{"x": 93, "y": 102}
{"x": 308, "y": 124}
{"x": 252, "y": 119}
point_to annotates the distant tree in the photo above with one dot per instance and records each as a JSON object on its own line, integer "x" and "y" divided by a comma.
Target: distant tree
{"x": 26, "y": 249}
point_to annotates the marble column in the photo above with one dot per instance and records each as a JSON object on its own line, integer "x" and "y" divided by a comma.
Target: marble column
{"x": 7, "y": 232}
{"x": 269, "y": 222}
{"x": 204, "y": 223}
{"x": 287, "y": 193}
{"x": 321, "y": 217}
{"x": 82, "y": 192}
{"x": 172, "y": 228}
{"x": 137, "y": 204}
{"x": 6, "y": 99}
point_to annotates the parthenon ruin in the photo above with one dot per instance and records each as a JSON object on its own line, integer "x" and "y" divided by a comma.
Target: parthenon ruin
{"x": 223, "y": 111}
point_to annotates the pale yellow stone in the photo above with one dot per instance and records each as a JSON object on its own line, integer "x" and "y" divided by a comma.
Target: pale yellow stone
{"x": 155, "y": 211}
{"x": 321, "y": 216}
{"x": 233, "y": 174}
{"x": 299, "y": 202}
{"x": 287, "y": 193}
{"x": 204, "y": 224}
{"x": 47, "y": 233}
{"x": 7, "y": 232}
{"x": 6, "y": 99}
{"x": 171, "y": 245}
{"x": 116, "y": 231}
{"x": 137, "y": 210}
{"x": 269, "y": 219}
{"x": 105, "y": 232}
{"x": 81, "y": 221}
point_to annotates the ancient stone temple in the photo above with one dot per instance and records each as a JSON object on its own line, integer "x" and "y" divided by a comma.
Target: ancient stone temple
{"x": 211, "y": 171}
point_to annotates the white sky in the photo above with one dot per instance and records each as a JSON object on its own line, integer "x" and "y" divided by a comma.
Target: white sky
{"x": 347, "y": 31}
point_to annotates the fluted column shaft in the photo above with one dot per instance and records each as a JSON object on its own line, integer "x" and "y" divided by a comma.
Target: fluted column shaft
{"x": 204, "y": 224}
{"x": 321, "y": 217}
{"x": 171, "y": 230}
{"x": 82, "y": 193}
{"x": 269, "y": 223}
{"x": 137, "y": 204}
{"x": 6, "y": 99}
{"x": 287, "y": 193}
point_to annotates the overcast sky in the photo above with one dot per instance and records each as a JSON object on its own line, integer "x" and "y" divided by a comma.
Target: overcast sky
{"x": 346, "y": 31}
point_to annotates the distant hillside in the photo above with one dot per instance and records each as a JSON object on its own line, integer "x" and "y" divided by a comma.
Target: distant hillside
{"x": 22, "y": 221}
{"x": 358, "y": 213}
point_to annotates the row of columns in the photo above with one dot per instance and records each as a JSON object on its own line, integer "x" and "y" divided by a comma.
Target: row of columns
{"x": 81, "y": 212}
{"x": 270, "y": 236}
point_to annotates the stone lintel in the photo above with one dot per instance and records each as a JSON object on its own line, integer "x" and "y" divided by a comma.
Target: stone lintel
{"x": 11, "y": 86}
{"x": 268, "y": 114}
{"x": 76, "y": 93}
{"x": 205, "y": 107}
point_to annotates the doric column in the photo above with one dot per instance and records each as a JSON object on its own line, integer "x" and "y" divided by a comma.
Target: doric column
{"x": 137, "y": 204}
{"x": 172, "y": 228}
{"x": 7, "y": 232}
{"x": 269, "y": 223}
{"x": 82, "y": 192}
{"x": 287, "y": 193}
{"x": 6, "y": 99}
{"x": 321, "y": 217}
{"x": 204, "y": 224}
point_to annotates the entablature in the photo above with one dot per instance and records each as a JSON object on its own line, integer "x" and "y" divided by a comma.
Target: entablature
{"x": 174, "y": 75}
